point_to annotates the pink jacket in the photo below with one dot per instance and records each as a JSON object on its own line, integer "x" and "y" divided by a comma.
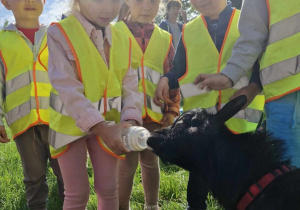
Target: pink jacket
{"x": 63, "y": 77}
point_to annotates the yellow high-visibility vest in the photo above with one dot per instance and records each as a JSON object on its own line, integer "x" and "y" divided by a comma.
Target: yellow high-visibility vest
{"x": 280, "y": 68}
{"x": 102, "y": 85}
{"x": 26, "y": 82}
{"x": 150, "y": 66}
{"x": 203, "y": 57}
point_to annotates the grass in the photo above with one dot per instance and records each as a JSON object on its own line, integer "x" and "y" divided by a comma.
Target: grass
{"x": 12, "y": 190}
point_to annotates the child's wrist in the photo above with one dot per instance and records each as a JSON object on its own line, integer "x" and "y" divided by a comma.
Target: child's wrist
{"x": 99, "y": 126}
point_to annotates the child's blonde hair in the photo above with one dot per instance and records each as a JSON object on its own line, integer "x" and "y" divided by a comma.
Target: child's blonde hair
{"x": 125, "y": 14}
{"x": 74, "y": 5}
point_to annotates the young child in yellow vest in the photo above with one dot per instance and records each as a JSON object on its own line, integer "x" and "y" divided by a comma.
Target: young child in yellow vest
{"x": 152, "y": 55}
{"x": 205, "y": 46}
{"x": 24, "y": 100}
{"x": 93, "y": 83}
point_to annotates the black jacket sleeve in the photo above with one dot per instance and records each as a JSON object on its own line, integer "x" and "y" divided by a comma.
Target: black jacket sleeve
{"x": 255, "y": 78}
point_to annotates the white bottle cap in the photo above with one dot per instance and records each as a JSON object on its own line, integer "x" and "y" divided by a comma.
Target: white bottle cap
{"x": 139, "y": 137}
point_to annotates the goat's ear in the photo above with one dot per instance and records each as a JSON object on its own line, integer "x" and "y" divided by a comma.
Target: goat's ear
{"x": 230, "y": 109}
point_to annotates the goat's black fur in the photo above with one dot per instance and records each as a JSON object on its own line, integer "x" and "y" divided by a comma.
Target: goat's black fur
{"x": 228, "y": 163}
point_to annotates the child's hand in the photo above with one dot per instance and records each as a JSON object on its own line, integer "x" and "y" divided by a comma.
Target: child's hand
{"x": 111, "y": 135}
{"x": 250, "y": 91}
{"x": 3, "y": 136}
{"x": 133, "y": 122}
{"x": 162, "y": 92}
{"x": 168, "y": 119}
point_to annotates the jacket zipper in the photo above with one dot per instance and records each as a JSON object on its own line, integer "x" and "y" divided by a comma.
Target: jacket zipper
{"x": 143, "y": 40}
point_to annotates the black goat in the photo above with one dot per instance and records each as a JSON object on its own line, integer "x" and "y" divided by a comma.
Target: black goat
{"x": 228, "y": 164}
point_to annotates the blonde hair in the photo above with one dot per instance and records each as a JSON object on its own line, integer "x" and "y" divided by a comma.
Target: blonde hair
{"x": 74, "y": 5}
{"x": 125, "y": 14}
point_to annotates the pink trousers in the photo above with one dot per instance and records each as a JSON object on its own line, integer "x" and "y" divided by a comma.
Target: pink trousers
{"x": 76, "y": 179}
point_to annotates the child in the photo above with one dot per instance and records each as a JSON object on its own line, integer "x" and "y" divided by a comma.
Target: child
{"x": 270, "y": 31}
{"x": 25, "y": 91}
{"x": 205, "y": 46}
{"x": 89, "y": 68}
{"x": 150, "y": 63}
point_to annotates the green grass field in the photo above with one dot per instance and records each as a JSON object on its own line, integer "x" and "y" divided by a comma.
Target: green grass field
{"x": 12, "y": 195}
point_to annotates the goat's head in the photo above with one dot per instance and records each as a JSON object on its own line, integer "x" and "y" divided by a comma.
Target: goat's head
{"x": 189, "y": 138}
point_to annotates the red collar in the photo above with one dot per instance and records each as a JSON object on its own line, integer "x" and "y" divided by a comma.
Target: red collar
{"x": 255, "y": 189}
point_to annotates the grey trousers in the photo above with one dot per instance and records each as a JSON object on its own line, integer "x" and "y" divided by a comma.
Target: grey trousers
{"x": 34, "y": 151}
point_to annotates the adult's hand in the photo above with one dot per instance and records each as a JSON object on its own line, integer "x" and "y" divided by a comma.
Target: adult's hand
{"x": 213, "y": 81}
{"x": 161, "y": 94}
{"x": 250, "y": 91}
{"x": 3, "y": 136}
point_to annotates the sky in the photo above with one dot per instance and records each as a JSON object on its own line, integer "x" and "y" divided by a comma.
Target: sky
{"x": 52, "y": 12}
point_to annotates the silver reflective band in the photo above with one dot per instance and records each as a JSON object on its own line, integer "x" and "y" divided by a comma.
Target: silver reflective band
{"x": 25, "y": 109}
{"x": 280, "y": 70}
{"x": 111, "y": 103}
{"x": 57, "y": 104}
{"x": 151, "y": 105}
{"x": 149, "y": 74}
{"x": 25, "y": 79}
{"x": 284, "y": 29}
{"x": 251, "y": 115}
{"x": 58, "y": 140}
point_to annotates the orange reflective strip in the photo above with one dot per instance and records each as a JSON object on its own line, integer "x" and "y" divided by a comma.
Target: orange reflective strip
{"x": 276, "y": 97}
{"x": 232, "y": 131}
{"x": 5, "y": 66}
{"x": 204, "y": 21}
{"x": 39, "y": 58}
{"x": 186, "y": 55}
{"x": 21, "y": 132}
{"x": 60, "y": 154}
{"x": 72, "y": 49}
{"x": 109, "y": 152}
{"x": 269, "y": 11}
{"x": 170, "y": 44}
{"x": 221, "y": 53}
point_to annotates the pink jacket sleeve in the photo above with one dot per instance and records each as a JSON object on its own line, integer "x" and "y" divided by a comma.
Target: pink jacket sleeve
{"x": 63, "y": 77}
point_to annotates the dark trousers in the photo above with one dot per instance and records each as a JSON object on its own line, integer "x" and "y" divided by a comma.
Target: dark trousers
{"x": 196, "y": 192}
{"x": 34, "y": 151}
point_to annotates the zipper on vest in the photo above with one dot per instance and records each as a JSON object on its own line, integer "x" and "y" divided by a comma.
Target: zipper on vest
{"x": 143, "y": 40}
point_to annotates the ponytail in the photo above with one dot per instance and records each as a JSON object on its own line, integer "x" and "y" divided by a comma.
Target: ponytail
{"x": 124, "y": 13}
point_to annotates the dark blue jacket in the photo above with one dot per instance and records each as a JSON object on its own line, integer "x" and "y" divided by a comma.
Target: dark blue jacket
{"x": 165, "y": 26}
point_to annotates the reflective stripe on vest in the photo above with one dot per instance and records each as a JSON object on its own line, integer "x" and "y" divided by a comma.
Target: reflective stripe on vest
{"x": 26, "y": 83}
{"x": 149, "y": 66}
{"x": 102, "y": 86}
{"x": 280, "y": 67}
{"x": 211, "y": 61}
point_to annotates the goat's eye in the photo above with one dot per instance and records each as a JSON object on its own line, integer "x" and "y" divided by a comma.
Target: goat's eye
{"x": 187, "y": 117}
{"x": 195, "y": 122}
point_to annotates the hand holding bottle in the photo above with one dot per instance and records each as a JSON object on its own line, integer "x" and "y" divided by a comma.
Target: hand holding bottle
{"x": 111, "y": 135}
